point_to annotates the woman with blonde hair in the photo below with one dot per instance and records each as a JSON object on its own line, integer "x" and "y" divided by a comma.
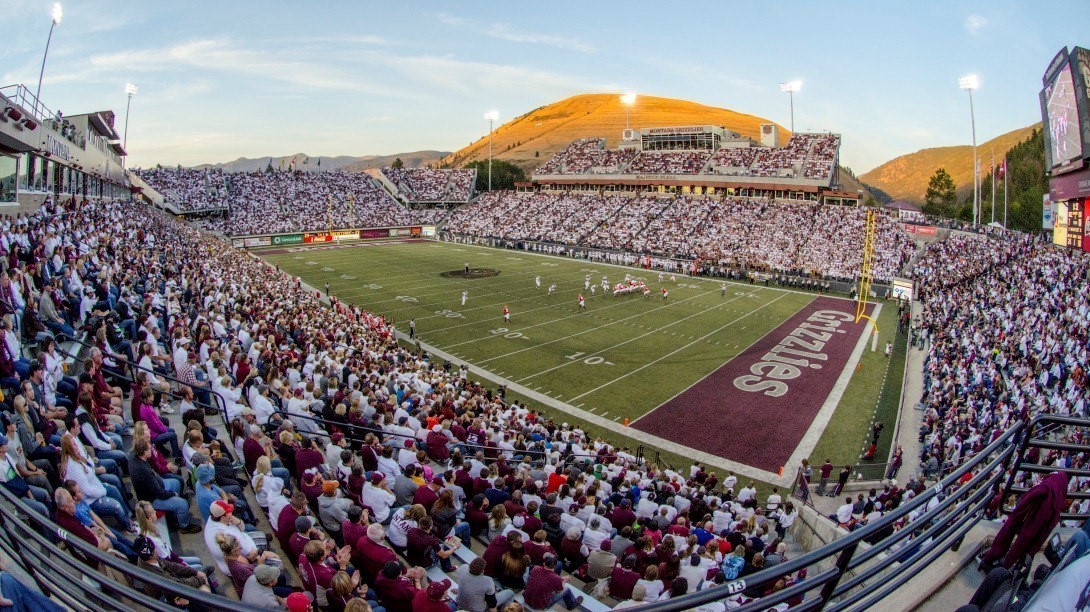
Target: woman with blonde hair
{"x": 168, "y": 469}
{"x": 147, "y": 519}
{"x": 267, "y": 486}
{"x": 103, "y": 497}
{"x": 497, "y": 521}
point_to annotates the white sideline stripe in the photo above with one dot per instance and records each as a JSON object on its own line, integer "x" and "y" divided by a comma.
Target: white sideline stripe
{"x": 821, "y": 421}
{"x": 719, "y": 463}
{"x": 678, "y": 350}
{"x": 637, "y": 420}
{"x": 609, "y": 348}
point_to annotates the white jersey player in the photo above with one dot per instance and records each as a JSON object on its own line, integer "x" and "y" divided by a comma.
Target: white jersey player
{"x": 593, "y": 288}
{"x": 465, "y": 294}
{"x": 552, "y": 288}
{"x": 537, "y": 281}
{"x": 660, "y": 277}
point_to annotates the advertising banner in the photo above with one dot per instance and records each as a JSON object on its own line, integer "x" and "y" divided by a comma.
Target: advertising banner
{"x": 902, "y": 289}
{"x": 319, "y": 237}
{"x": 398, "y": 231}
{"x": 1046, "y": 212}
{"x": 374, "y": 233}
{"x": 287, "y": 239}
{"x": 1074, "y": 224}
{"x": 923, "y": 230}
{"x": 236, "y": 243}
{"x": 1059, "y": 234}
{"x": 429, "y": 230}
{"x": 259, "y": 241}
{"x": 346, "y": 235}
{"x": 415, "y": 231}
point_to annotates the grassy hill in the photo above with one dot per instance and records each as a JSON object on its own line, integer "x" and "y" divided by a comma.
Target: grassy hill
{"x": 906, "y": 177}
{"x": 529, "y": 140}
{"x": 414, "y": 159}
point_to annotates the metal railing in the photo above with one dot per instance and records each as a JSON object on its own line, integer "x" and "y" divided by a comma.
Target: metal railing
{"x": 84, "y": 577}
{"x": 130, "y": 368}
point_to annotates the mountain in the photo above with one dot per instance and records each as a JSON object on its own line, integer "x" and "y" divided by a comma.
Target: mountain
{"x": 530, "y": 139}
{"x": 906, "y": 177}
{"x": 414, "y": 159}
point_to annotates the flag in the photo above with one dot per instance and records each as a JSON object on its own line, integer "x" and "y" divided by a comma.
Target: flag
{"x": 319, "y": 162}
{"x": 1001, "y": 169}
{"x": 306, "y": 160}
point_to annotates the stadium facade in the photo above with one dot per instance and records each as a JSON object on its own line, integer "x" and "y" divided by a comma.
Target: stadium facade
{"x": 45, "y": 153}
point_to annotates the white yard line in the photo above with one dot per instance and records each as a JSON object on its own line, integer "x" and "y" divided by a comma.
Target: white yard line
{"x": 675, "y": 351}
{"x": 728, "y": 361}
{"x": 644, "y": 335}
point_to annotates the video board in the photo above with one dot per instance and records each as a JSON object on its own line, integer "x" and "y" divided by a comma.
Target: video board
{"x": 1060, "y": 112}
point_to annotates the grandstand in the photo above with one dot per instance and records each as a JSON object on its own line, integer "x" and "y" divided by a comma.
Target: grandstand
{"x": 698, "y": 159}
{"x": 432, "y": 186}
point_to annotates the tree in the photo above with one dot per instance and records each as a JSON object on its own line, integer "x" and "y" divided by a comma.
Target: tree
{"x": 398, "y": 164}
{"x": 941, "y": 197}
{"x": 268, "y": 167}
{"x": 504, "y": 174}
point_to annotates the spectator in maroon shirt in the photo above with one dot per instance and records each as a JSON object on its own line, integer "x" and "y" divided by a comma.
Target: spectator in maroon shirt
{"x": 397, "y": 592}
{"x": 826, "y": 472}
{"x": 437, "y": 445}
{"x": 538, "y": 546}
{"x": 370, "y": 553}
{"x": 493, "y": 555}
{"x": 428, "y": 495}
{"x": 253, "y": 448}
{"x": 307, "y": 457}
{"x": 623, "y": 516}
{"x": 623, "y": 578}
{"x": 285, "y": 523}
{"x": 355, "y": 526}
{"x": 433, "y": 598}
{"x": 425, "y": 549}
{"x": 545, "y": 588}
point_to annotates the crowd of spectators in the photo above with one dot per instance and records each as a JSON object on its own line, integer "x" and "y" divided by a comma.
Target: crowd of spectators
{"x": 433, "y": 185}
{"x": 668, "y": 162}
{"x": 1004, "y": 321}
{"x": 189, "y": 190}
{"x": 280, "y": 202}
{"x": 812, "y": 155}
{"x": 804, "y": 237}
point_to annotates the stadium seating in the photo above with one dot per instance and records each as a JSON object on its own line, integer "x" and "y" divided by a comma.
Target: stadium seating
{"x": 737, "y": 232}
{"x": 433, "y": 185}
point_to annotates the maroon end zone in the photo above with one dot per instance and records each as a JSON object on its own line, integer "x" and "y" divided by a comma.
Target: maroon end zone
{"x": 757, "y": 407}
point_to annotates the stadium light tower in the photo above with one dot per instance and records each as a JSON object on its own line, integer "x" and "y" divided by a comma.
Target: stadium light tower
{"x": 130, "y": 89}
{"x": 492, "y": 116}
{"x": 628, "y": 100}
{"x": 971, "y": 83}
{"x": 791, "y": 87}
{"x": 57, "y": 15}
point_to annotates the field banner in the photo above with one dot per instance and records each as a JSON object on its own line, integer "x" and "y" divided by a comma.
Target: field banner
{"x": 1046, "y": 212}
{"x": 922, "y": 230}
{"x": 257, "y": 242}
{"x": 374, "y": 233}
{"x": 902, "y": 289}
{"x": 1059, "y": 232}
{"x": 346, "y": 235}
{"x": 237, "y": 243}
{"x": 317, "y": 237}
{"x": 429, "y": 230}
{"x": 414, "y": 231}
{"x": 287, "y": 239}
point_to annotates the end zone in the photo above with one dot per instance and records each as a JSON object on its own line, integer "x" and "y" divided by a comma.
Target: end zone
{"x": 759, "y": 408}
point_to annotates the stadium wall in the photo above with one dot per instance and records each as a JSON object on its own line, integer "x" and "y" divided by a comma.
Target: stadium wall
{"x": 335, "y": 236}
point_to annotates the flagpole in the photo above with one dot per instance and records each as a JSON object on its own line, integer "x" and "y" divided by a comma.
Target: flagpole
{"x": 1005, "y": 172}
{"x": 993, "y": 185}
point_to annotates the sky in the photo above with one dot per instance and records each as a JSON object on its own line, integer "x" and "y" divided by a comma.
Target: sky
{"x": 221, "y": 80}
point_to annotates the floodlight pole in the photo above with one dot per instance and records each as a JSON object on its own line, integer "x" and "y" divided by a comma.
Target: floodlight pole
{"x": 490, "y": 152}
{"x": 791, "y": 101}
{"x": 41, "y": 73}
{"x": 128, "y": 105}
{"x": 976, "y": 163}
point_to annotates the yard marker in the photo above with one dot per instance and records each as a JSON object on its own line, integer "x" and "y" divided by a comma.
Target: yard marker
{"x": 781, "y": 470}
{"x": 626, "y": 421}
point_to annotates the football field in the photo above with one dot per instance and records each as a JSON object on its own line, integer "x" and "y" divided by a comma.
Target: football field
{"x": 735, "y": 371}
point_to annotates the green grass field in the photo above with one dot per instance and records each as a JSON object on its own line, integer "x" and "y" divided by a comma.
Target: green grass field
{"x": 620, "y": 359}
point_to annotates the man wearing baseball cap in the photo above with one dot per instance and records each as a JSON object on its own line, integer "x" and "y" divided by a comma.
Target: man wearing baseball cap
{"x": 258, "y": 590}
{"x": 377, "y": 496}
{"x": 333, "y": 510}
{"x": 433, "y": 598}
{"x": 222, "y": 520}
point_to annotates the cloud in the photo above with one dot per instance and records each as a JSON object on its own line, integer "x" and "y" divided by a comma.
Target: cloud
{"x": 221, "y": 55}
{"x": 447, "y": 74}
{"x": 975, "y": 23}
{"x": 505, "y": 31}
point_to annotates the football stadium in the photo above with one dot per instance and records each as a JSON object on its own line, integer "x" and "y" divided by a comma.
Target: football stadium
{"x": 619, "y": 351}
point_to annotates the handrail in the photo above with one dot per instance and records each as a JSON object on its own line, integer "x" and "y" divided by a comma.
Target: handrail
{"x": 26, "y": 532}
{"x": 381, "y": 432}
{"x": 131, "y": 367}
{"x": 844, "y": 548}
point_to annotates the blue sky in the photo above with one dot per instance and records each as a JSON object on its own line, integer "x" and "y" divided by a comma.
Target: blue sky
{"x": 219, "y": 80}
